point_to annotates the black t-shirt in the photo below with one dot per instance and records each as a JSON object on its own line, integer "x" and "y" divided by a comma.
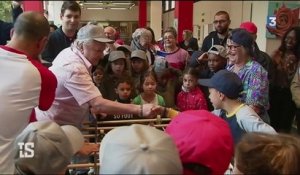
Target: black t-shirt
{"x": 58, "y": 41}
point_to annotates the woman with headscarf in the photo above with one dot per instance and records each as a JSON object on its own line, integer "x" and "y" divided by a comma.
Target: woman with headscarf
{"x": 141, "y": 40}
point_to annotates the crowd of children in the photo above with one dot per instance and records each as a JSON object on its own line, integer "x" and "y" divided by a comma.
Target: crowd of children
{"x": 192, "y": 85}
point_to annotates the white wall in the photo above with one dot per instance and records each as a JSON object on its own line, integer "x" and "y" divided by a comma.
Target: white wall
{"x": 203, "y": 14}
{"x": 168, "y": 19}
{"x": 156, "y": 18}
{"x": 110, "y": 15}
{"x": 259, "y": 16}
{"x": 54, "y": 11}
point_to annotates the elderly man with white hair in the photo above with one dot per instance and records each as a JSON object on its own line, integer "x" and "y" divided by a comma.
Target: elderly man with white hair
{"x": 110, "y": 33}
{"x": 76, "y": 93}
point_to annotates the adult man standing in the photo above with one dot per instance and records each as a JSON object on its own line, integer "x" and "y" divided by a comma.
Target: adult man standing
{"x": 24, "y": 84}
{"x": 110, "y": 33}
{"x": 66, "y": 34}
{"x": 219, "y": 36}
{"x": 76, "y": 92}
{"x": 189, "y": 43}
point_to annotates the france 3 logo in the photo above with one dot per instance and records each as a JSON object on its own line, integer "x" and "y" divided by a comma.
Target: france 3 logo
{"x": 271, "y": 21}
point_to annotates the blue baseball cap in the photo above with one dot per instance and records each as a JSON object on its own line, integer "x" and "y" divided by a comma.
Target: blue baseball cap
{"x": 229, "y": 83}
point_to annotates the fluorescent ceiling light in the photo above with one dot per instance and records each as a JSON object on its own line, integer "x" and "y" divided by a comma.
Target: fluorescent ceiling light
{"x": 91, "y": 3}
{"x": 94, "y": 8}
{"x": 118, "y": 8}
{"x": 122, "y": 3}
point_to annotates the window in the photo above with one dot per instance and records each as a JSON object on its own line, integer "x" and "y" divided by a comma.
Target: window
{"x": 172, "y": 4}
{"x": 168, "y": 5}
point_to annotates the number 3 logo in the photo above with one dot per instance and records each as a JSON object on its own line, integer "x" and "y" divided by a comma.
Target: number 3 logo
{"x": 272, "y": 21}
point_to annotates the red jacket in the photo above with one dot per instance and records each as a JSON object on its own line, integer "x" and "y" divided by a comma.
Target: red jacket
{"x": 192, "y": 100}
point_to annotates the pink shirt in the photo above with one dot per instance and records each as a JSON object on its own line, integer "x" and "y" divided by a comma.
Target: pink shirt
{"x": 178, "y": 59}
{"x": 75, "y": 89}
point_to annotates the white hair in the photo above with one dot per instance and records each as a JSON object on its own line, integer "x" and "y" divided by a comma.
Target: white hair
{"x": 111, "y": 28}
{"x": 79, "y": 42}
{"x": 141, "y": 32}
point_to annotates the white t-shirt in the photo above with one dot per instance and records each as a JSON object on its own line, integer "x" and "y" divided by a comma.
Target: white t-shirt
{"x": 22, "y": 87}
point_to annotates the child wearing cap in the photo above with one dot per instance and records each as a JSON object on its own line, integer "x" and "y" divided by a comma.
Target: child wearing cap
{"x": 138, "y": 149}
{"x": 190, "y": 97}
{"x": 216, "y": 60}
{"x": 215, "y": 57}
{"x": 126, "y": 49}
{"x": 138, "y": 66}
{"x": 52, "y": 147}
{"x": 225, "y": 88}
{"x": 114, "y": 70}
{"x": 204, "y": 142}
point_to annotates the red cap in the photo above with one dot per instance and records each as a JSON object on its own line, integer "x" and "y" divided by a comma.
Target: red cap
{"x": 202, "y": 138}
{"x": 249, "y": 26}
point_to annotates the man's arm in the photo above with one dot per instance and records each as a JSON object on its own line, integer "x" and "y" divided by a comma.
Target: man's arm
{"x": 194, "y": 62}
{"x": 101, "y": 105}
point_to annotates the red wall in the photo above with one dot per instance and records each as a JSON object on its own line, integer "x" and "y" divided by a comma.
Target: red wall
{"x": 33, "y": 6}
{"x": 142, "y": 13}
{"x": 184, "y": 14}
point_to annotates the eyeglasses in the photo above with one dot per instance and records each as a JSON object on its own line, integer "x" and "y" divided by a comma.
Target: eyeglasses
{"x": 232, "y": 47}
{"x": 220, "y": 21}
{"x": 169, "y": 38}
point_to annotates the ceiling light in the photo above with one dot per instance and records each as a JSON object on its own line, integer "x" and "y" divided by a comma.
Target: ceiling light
{"x": 122, "y": 3}
{"x": 118, "y": 8}
{"x": 91, "y": 3}
{"x": 94, "y": 8}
